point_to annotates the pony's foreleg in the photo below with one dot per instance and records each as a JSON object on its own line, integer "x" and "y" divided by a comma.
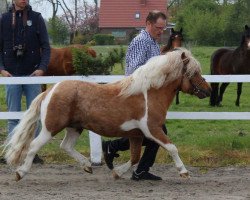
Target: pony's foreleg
{"x": 222, "y": 90}
{"x": 173, "y": 151}
{"x": 159, "y": 137}
{"x": 35, "y": 146}
{"x": 239, "y": 90}
{"x": 177, "y": 101}
{"x": 68, "y": 144}
{"x": 214, "y": 93}
{"x": 135, "y": 154}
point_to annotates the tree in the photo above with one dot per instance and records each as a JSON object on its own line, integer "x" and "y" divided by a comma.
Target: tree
{"x": 58, "y": 30}
{"x": 54, "y": 3}
{"x": 213, "y": 22}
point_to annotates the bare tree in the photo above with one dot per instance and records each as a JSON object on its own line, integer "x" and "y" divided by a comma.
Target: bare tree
{"x": 54, "y": 3}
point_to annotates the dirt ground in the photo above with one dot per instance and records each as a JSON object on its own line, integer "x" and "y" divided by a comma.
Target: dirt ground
{"x": 47, "y": 182}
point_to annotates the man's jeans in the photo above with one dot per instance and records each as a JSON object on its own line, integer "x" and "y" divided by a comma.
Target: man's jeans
{"x": 14, "y": 98}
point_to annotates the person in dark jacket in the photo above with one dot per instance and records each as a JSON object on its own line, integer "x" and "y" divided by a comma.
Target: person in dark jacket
{"x": 143, "y": 47}
{"x": 24, "y": 51}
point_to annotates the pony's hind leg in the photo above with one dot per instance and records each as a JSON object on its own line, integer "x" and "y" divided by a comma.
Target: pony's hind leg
{"x": 135, "y": 153}
{"x": 239, "y": 90}
{"x": 35, "y": 146}
{"x": 68, "y": 144}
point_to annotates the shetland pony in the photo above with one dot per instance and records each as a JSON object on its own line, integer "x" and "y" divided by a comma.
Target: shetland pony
{"x": 175, "y": 40}
{"x": 133, "y": 107}
{"x": 230, "y": 61}
{"x": 61, "y": 61}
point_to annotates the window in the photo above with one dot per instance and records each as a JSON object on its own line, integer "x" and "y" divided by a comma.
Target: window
{"x": 137, "y": 15}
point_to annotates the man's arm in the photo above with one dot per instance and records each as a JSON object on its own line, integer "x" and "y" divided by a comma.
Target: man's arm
{"x": 2, "y": 68}
{"x": 136, "y": 56}
{"x": 1, "y": 46}
{"x": 44, "y": 45}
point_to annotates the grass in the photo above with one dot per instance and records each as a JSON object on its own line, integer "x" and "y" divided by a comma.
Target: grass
{"x": 206, "y": 143}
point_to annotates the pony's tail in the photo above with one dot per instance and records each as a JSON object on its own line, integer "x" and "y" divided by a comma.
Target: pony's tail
{"x": 17, "y": 145}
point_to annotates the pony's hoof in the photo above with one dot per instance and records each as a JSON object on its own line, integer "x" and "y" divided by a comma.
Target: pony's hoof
{"x": 18, "y": 177}
{"x": 115, "y": 175}
{"x": 88, "y": 169}
{"x": 185, "y": 175}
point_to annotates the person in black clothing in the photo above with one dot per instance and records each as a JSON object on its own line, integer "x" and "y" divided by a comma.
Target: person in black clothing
{"x": 140, "y": 50}
{"x": 24, "y": 51}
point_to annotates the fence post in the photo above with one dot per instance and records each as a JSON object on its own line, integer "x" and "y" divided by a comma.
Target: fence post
{"x": 95, "y": 143}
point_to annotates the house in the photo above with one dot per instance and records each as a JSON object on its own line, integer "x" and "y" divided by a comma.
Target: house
{"x": 125, "y": 18}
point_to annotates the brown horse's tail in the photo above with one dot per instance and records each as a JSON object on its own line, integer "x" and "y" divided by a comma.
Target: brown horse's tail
{"x": 18, "y": 143}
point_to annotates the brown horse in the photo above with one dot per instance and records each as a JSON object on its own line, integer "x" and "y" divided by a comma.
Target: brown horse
{"x": 230, "y": 61}
{"x": 175, "y": 40}
{"x": 133, "y": 107}
{"x": 61, "y": 62}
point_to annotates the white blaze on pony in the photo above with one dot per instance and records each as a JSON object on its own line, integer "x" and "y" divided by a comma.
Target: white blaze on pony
{"x": 132, "y": 107}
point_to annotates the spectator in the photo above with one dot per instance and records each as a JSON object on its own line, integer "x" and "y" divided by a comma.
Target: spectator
{"x": 141, "y": 49}
{"x": 24, "y": 51}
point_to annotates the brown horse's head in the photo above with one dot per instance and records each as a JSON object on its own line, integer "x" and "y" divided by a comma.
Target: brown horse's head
{"x": 192, "y": 81}
{"x": 246, "y": 38}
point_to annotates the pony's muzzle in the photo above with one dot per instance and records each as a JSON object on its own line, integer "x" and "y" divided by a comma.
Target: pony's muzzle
{"x": 201, "y": 93}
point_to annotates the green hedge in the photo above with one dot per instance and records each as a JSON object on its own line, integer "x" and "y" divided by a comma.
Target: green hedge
{"x": 104, "y": 39}
{"x": 85, "y": 64}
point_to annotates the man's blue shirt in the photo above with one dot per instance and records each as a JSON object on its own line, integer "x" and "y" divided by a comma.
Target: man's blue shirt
{"x": 141, "y": 49}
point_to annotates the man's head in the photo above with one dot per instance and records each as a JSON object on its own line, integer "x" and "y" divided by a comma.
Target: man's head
{"x": 156, "y": 22}
{"x": 20, "y": 4}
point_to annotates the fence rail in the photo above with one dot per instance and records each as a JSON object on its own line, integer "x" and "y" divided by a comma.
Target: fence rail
{"x": 113, "y": 78}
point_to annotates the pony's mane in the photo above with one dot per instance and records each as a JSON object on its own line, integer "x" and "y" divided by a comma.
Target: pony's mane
{"x": 157, "y": 71}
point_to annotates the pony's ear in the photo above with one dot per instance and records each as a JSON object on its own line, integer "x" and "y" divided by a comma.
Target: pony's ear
{"x": 181, "y": 30}
{"x": 246, "y": 27}
{"x": 184, "y": 58}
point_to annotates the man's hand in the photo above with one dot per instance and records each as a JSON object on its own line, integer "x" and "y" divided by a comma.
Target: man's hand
{"x": 5, "y": 73}
{"x": 38, "y": 72}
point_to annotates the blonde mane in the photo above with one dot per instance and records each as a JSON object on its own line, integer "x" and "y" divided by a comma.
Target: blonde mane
{"x": 157, "y": 71}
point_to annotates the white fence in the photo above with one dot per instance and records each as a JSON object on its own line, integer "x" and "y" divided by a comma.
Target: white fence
{"x": 113, "y": 78}
{"x": 95, "y": 140}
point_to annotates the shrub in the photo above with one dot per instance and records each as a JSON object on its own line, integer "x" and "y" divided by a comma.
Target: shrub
{"x": 104, "y": 39}
{"x": 85, "y": 64}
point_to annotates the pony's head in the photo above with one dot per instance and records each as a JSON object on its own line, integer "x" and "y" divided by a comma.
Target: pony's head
{"x": 176, "y": 38}
{"x": 245, "y": 41}
{"x": 164, "y": 69}
{"x": 192, "y": 81}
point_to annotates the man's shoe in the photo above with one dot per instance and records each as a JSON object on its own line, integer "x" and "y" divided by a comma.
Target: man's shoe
{"x": 145, "y": 176}
{"x": 109, "y": 154}
{"x": 38, "y": 160}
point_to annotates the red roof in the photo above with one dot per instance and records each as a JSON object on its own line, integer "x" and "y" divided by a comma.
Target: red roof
{"x": 122, "y": 13}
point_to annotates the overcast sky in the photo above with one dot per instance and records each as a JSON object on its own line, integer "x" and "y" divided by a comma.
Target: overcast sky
{"x": 46, "y": 8}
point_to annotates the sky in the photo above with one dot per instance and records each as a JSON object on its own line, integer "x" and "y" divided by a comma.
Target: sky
{"x": 46, "y": 9}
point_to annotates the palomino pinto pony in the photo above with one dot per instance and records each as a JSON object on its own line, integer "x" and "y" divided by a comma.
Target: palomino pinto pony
{"x": 175, "y": 40}
{"x": 229, "y": 61}
{"x": 133, "y": 107}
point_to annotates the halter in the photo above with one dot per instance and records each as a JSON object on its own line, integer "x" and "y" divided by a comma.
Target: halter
{"x": 196, "y": 88}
